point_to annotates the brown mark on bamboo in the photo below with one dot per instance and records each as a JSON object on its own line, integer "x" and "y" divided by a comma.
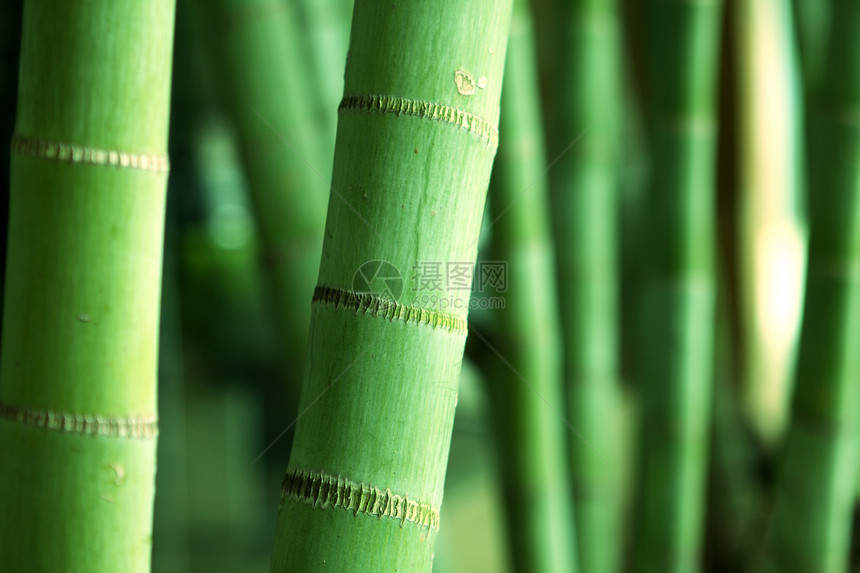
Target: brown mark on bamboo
{"x": 374, "y": 305}
{"x": 383, "y": 104}
{"x": 325, "y": 491}
{"x": 144, "y": 427}
{"x": 75, "y": 154}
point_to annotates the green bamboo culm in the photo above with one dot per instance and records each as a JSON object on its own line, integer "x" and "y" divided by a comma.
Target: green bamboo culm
{"x": 326, "y": 34}
{"x": 770, "y": 228}
{"x": 584, "y": 135}
{"x": 260, "y": 61}
{"x": 678, "y": 296}
{"x": 812, "y": 21}
{"x": 816, "y": 485}
{"x": 415, "y": 145}
{"x": 80, "y": 321}
{"x": 525, "y": 384}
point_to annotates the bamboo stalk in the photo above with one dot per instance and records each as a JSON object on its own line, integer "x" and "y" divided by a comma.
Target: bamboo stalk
{"x": 812, "y": 520}
{"x": 530, "y": 433}
{"x": 170, "y": 543}
{"x": 770, "y": 229}
{"x": 326, "y": 35}
{"x": 262, "y": 68}
{"x": 812, "y": 21}
{"x": 78, "y": 367}
{"x": 678, "y": 295}
{"x": 584, "y": 134}
{"x": 415, "y": 144}
{"x": 10, "y": 44}
{"x": 734, "y": 512}
{"x": 473, "y": 490}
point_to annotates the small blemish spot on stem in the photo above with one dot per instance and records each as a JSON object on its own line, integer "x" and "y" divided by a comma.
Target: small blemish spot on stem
{"x": 120, "y": 473}
{"x": 465, "y": 82}
{"x": 416, "y": 151}
{"x": 482, "y": 83}
{"x": 83, "y": 317}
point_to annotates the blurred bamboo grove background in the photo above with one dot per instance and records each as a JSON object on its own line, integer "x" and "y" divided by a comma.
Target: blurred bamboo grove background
{"x": 662, "y": 366}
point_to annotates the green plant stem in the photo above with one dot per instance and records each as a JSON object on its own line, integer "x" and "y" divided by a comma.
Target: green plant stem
{"x": 812, "y": 520}
{"x": 530, "y": 433}
{"x": 415, "y": 144}
{"x": 269, "y": 99}
{"x": 769, "y": 215}
{"x": 170, "y": 547}
{"x": 734, "y": 516}
{"x": 326, "y": 36}
{"x": 812, "y": 21}
{"x": 80, "y": 321}
{"x": 584, "y": 135}
{"x": 678, "y": 293}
